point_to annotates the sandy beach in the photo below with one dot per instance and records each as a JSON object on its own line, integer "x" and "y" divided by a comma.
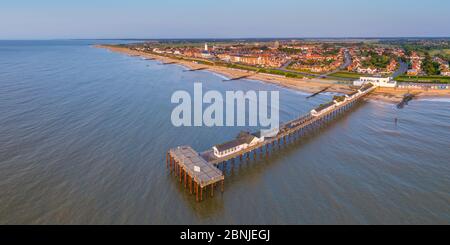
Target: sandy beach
{"x": 392, "y": 95}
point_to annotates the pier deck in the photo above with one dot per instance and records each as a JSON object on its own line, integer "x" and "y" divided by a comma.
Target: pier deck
{"x": 196, "y": 172}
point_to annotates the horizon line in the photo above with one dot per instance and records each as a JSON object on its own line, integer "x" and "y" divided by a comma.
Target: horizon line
{"x": 228, "y": 38}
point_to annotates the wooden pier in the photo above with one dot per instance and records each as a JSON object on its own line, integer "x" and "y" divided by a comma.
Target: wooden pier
{"x": 197, "y": 69}
{"x": 319, "y": 92}
{"x": 237, "y": 78}
{"x": 406, "y": 99}
{"x": 169, "y": 63}
{"x": 206, "y": 169}
{"x": 194, "y": 171}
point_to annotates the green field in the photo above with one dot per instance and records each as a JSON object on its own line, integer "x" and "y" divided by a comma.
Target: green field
{"x": 203, "y": 62}
{"x": 440, "y": 51}
{"x": 303, "y": 70}
{"x": 238, "y": 66}
{"x": 259, "y": 70}
{"x": 343, "y": 74}
{"x": 423, "y": 79}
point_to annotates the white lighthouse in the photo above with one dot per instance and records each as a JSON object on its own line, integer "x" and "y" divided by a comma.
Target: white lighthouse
{"x": 205, "y": 53}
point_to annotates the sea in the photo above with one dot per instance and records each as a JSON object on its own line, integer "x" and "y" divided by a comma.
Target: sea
{"x": 84, "y": 133}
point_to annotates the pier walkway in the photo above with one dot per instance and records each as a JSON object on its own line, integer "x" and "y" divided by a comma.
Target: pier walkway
{"x": 206, "y": 169}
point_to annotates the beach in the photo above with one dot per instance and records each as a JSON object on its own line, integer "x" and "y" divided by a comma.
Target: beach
{"x": 391, "y": 95}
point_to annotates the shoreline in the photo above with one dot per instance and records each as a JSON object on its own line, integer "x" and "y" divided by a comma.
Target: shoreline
{"x": 390, "y": 95}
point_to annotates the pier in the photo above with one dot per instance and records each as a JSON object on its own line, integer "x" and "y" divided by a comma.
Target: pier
{"x": 206, "y": 169}
{"x": 237, "y": 78}
{"x": 198, "y": 69}
{"x": 319, "y": 92}
{"x": 169, "y": 63}
{"x": 406, "y": 99}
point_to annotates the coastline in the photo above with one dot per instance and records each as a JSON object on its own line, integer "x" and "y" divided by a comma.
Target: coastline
{"x": 390, "y": 95}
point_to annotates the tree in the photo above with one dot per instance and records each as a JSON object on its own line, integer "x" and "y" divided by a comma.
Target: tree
{"x": 429, "y": 66}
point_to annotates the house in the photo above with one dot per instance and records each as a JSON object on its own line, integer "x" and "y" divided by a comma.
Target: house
{"x": 242, "y": 141}
{"x": 412, "y": 72}
{"x": 224, "y": 57}
{"x": 416, "y": 65}
{"x": 355, "y": 65}
{"x": 445, "y": 73}
{"x": 392, "y": 66}
{"x": 192, "y": 53}
{"x": 415, "y": 56}
{"x": 443, "y": 64}
{"x": 255, "y": 60}
{"x": 368, "y": 70}
{"x": 386, "y": 82}
{"x": 158, "y": 51}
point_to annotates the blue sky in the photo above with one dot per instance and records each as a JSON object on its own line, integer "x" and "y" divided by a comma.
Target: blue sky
{"x": 48, "y": 19}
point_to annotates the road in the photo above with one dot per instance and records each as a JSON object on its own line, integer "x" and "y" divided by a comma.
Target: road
{"x": 401, "y": 70}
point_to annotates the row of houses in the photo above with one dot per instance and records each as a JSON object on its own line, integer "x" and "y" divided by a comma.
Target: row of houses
{"x": 318, "y": 66}
{"x": 423, "y": 86}
{"x": 358, "y": 58}
{"x": 259, "y": 60}
{"x": 358, "y": 67}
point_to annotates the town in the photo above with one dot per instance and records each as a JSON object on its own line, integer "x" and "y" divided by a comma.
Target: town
{"x": 405, "y": 60}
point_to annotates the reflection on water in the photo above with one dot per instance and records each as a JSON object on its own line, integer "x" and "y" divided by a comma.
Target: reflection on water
{"x": 84, "y": 131}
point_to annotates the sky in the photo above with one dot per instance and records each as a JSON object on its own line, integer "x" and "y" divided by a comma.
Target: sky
{"x": 66, "y": 19}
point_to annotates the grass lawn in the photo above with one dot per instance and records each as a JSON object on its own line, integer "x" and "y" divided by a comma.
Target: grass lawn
{"x": 238, "y": 66}
{"x": 343, "y": 74}
{"x": 281, "y": 73}
{"x": 303, "y": 70}
{"x": 203, "y": 62}
{"x": 260, "y": 70}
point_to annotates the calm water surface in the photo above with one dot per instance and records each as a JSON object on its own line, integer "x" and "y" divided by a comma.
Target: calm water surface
{"x": 83, "y": 133}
